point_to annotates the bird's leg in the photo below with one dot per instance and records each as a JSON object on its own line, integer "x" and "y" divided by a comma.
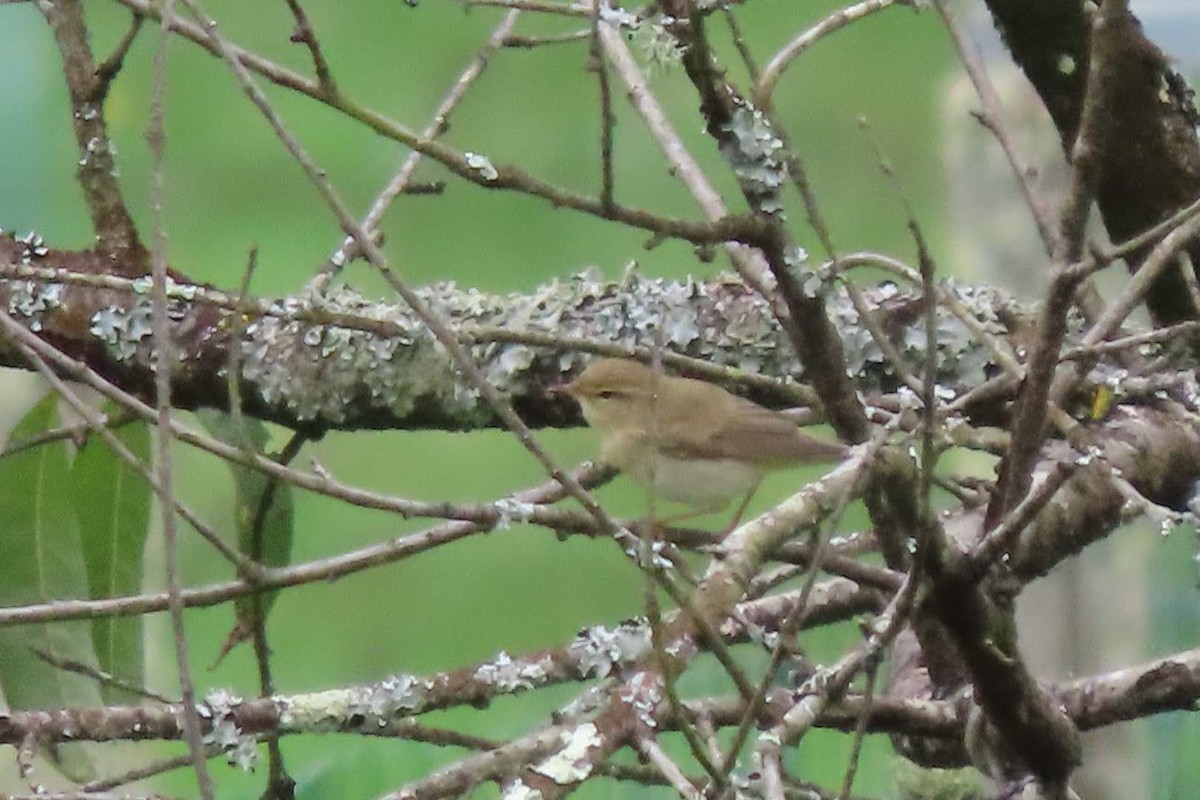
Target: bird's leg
{"x": 666, "y": 522}
{"x": 741, "y": 509}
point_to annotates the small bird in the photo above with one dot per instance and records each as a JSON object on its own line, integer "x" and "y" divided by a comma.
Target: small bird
{"x": 688, "y": 440}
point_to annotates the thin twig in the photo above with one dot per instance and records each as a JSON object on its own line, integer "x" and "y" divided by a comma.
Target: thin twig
{"x": 98, "y": 675}
{"x": 748, "y": 262}
{"x": 142, "y": 772}
{"x": 1156, "y": 336}
{"x": 542, "y": 6}
{"x": 164, "y": 355}
{"x": 764, "y": 87}
{"x": 76, "y": 432}
{"x": 1002, "y": 539}
{"x": 304, "y": 34}
{"x": 739, "y": 43}
{"x": 280, "y": 783}
{"x": 529, "y": 42}
{"x": 402, "y": 180}
{"x": 107, "y": 69}
{"x": 860, "y": 730}
{"x": 993, "y": 119}
{"x": 608, "y": 121}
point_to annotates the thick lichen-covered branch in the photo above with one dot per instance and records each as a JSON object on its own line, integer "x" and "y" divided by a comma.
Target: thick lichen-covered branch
{"x": 338, "y": 360}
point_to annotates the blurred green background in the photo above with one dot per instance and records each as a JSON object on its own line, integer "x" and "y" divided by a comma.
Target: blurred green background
{"x": 231, "y": 186}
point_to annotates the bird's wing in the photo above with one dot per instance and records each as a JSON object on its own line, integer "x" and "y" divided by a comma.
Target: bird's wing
{"x": 753, "y": 434}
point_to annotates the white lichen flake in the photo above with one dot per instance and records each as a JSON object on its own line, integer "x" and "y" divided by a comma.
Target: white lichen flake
{"x": 30, "y": 300}
{"x": 483, "y": 165}
{"x": 519, "y": 790}
{"x": 509, "y": 676}
{"x": 240, "y": 748}
{"x": 642, "y": 693}
{"x": 510, "y": 510}
{"x": 570, "y": 764}
{"x": 598, "y": 650}
{"x": 123, "y": 330}
{"x": 617, "y": 16}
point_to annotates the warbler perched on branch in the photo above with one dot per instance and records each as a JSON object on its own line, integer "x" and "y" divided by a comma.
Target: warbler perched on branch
{"x": 687, "y": 440}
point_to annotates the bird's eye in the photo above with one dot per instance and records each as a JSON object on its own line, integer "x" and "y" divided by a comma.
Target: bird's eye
{"x": 607, "y": 394}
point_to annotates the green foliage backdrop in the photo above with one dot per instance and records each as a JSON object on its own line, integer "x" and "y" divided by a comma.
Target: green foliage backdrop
{"x": 231, "y": 186}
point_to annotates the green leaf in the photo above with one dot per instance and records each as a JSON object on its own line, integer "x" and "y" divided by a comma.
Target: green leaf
{"x": 43, "y": 561}
{"x": 262, "y": 513}
{"x": 112, "y": 503}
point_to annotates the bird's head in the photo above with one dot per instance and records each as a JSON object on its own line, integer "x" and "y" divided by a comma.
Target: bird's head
{"x": 615, "y": 393}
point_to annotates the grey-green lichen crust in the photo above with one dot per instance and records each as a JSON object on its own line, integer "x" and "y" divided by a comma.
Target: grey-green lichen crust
{"x": 339, "y": 360}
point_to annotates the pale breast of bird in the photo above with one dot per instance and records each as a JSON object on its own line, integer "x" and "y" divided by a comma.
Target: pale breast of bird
{"x": 702, "y": 482}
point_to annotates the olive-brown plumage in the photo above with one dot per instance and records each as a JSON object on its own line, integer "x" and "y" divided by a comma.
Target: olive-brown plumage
{"x": 688, "y": 440}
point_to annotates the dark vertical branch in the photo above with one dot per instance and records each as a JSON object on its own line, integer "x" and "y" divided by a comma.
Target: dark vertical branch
{"x": 1152, "y": 166}
{"x": 1088, "y": 153}
{"x": 736, "y": 125}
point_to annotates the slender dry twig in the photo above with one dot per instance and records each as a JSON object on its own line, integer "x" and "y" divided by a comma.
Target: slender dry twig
{"x": 1157, "y": 336}
{"x": 653, "y": 752}
{"x": 98, "y": 675}
{"x": 76, "y": 432}
{"x": 142, "y": 772}
{"x": 608, "y": 120}
{"x": 739, "y": 43}
{"x": 304, "y": 34}
{"x": 543, "y": 6}
{"x": 163, "y": 363}
{"x": 528, "y": 42}
{"x": 402, "y": 180}
{"x": 993, "y": 118}
{"x": 748, "y": 262}
{"x": 860, "y": 731}
{"x": 764, "y": 87}
{"x": 107, "y": 69}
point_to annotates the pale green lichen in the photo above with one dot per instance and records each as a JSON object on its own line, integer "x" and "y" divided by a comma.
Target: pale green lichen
{"x": 339, "y": 359}
{"x": 659, "y": 47}
{"x": 508, "y": 676}
{"x": 320, "y": 371}
{"x": 239, "y": 747}
{"x": 123, "y": 330}
{"x": 371, "y": 706}
{"x": 30, "y": 300}
{"x": 754, "y": 153}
